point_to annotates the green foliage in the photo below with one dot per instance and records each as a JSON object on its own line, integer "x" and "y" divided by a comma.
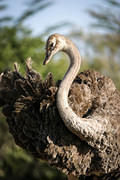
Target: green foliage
{"x": 107, "y": 45}
{"x": 16, "y": 45}
{"x": 57, "y": 67}
{"x": 102, "y": 50}
{"x": 107, "y": 16}
{"x": 20, "y": 165}
{"x": 33, "y": 7}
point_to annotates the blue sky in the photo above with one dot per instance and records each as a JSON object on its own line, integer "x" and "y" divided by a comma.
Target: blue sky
{"x": 73, "y": 11}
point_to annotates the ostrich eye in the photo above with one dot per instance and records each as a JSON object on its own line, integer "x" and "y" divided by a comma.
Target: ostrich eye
{"x": 52, "y": 45}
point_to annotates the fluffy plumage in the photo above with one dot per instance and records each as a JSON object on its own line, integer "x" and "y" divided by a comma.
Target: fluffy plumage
{"x": 29, "y": 104}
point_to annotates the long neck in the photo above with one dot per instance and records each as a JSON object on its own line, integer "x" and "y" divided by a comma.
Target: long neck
{"x": 88, "y": 129}
{"x": 75, "y": 61}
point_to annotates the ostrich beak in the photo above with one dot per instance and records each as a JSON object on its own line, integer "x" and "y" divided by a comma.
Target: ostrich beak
{"x": 47, "y": 58}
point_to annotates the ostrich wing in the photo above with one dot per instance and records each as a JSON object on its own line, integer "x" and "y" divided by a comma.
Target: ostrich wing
{"x": 29, "y": 104}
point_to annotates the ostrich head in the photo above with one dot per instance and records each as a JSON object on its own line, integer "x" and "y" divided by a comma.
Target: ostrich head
{"x": 55, "y": 43}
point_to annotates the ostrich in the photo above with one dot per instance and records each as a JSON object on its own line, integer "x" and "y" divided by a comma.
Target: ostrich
{"x": 85, "y": 128}
{"x": 74, "y": 125}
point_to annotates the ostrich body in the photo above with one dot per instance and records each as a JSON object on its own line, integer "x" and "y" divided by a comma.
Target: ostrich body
{"x": 87, "y": 129}
{"x": 88, "y": 105}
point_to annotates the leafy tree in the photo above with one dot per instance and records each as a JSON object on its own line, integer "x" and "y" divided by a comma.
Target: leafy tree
{"x": 107, "y": 16}
{"x": 102, "y": 50}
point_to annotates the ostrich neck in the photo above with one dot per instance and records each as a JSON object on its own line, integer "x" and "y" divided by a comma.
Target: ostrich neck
{"x": 88, "y": 129}
{"x": 75, "y": 61}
